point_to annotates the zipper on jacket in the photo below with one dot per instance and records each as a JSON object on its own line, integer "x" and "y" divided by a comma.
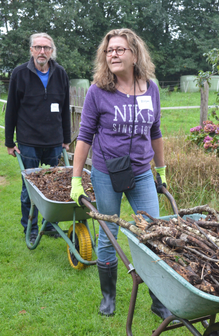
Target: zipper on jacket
{"x": 31, "y": 67}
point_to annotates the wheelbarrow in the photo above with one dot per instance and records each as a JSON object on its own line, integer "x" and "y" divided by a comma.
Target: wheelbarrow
{"x": 187, "y": 304}
{"x": 80, "y": 241}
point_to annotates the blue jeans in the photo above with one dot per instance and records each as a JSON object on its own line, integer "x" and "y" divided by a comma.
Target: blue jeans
{"x": 142, "y": 197}
{"x": 32, "y": 157}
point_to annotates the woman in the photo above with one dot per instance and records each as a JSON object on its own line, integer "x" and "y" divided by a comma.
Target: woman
{"x": 123, "y": 69}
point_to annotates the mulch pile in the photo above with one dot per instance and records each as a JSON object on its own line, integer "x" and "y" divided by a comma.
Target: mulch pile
{"x": 55, "y": 183}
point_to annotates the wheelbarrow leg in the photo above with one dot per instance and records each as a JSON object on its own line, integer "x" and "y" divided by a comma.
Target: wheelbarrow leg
{"x": 29, "y": 227}
{"x": 136, "y": 281}
{"x": 163, "y": 326}
{"x": 213, "y": 328}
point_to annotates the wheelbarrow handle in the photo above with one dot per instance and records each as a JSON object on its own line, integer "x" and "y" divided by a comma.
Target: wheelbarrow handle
{"x": 171, "y": 199}
{"x": 19, "y": 160}
{"x": 161, "y": 189}
{"x": 109, "y": 235}
{"x": 135, "y": 277}
{"x": 65, "y": 156}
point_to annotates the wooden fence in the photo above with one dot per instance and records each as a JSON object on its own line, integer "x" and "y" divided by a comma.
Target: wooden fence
{"x": 77, "y": 96}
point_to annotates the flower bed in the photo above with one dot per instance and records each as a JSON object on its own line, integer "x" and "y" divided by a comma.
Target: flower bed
{"x": 207, "y": 137}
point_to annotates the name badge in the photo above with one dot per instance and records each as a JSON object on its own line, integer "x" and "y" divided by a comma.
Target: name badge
{"x": 54, "y": 107}
{"x": 145, "y": 102}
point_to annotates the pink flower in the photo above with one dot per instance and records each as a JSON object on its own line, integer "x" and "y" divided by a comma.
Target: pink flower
{"x": 207, "y": 139}
{"x": 195, "y": 129}
{"x": 210, "y": 128}
{"x": 208, "y": 144}
{"x": 206, "y": 122}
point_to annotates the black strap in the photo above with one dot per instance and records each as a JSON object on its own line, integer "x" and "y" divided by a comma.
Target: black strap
{"x": 101, "y": 149}
{"x": 132, "y": 128}
{"x": 133, "y": 121}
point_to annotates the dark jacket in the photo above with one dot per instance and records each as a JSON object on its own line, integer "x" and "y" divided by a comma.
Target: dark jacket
{"x": 30, "y": 107}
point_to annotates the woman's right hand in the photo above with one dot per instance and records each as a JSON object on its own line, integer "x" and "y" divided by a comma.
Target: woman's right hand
{"x": 77, "y": 190}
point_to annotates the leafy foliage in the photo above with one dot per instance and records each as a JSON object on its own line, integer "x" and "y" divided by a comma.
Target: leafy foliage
{"x": 202, "y": 77}
{"x": 212, "y": 57}
{"x": 207, "y": 137}
{"x": 177, "y": 33}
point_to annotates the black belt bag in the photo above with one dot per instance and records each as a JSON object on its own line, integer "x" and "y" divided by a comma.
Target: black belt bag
{"x": 120, "y": 169}
{"x": 121, "y": 173}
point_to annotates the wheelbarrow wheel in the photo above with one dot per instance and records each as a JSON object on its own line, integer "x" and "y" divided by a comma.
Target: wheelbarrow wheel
{"x": 82, "y": 244}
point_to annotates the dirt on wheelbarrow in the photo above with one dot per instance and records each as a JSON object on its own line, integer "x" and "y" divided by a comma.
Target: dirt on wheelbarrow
{"x": 55, "y": 183}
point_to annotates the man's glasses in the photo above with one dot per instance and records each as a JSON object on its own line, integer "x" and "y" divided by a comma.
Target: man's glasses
{"x": 119, "y": 51}
{"x": 39, "y": 48}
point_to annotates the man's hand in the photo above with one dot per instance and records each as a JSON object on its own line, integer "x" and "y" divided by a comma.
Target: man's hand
{"x": 77, "y": 190}
{"x": 162, "y": 172}
{"x": 66, "y": 146}
{"x": 11, "y": 151}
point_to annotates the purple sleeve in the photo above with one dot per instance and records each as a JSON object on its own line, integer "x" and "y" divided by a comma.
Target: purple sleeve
{"x": 155, "y": 129}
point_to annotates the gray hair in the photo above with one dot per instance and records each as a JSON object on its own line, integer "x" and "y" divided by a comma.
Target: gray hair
{"x": 34, "y": 36}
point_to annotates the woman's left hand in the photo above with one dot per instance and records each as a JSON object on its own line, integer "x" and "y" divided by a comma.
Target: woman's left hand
{"x": 162, "y": 172}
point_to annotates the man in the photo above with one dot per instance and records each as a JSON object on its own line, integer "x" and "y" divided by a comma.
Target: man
{"x": 38, "y": 107}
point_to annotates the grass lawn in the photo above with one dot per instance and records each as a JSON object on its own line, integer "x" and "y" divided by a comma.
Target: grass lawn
{"x": 41, "y": 295}
{"x": 174, "y": 121}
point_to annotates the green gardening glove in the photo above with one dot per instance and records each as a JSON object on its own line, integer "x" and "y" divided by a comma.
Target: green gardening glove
{"x": 162, "y": 174}
{"x": 77, "y": 190}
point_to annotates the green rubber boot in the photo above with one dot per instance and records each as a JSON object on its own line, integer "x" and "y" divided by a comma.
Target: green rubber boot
{"x": 159, "y": 309}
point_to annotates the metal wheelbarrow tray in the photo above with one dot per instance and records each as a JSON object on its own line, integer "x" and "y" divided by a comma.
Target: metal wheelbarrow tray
{"x": 187, "y": 304}
{"x": 78, "y": 238}
{"x": 177, "y": 294}
{"x": 54, "y": 211}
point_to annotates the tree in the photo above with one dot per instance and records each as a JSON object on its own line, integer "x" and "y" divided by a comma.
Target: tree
{"x": 204, "y": 81}
{"x": 197, "y": 32}
{"x": 53, "y": 17}
{"x": 176, "y": 32}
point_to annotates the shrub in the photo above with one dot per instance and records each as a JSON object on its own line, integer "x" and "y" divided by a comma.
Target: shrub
{"x": 207, "y": 137}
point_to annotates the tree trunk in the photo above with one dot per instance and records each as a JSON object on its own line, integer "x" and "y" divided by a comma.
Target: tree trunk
{"x": 204, "y": 103}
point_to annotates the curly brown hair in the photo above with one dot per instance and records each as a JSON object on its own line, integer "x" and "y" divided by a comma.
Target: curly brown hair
{"x": 143, "y": 69}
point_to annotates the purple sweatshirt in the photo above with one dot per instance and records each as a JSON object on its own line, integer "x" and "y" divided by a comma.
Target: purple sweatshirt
{"x": 109, "y": 116}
